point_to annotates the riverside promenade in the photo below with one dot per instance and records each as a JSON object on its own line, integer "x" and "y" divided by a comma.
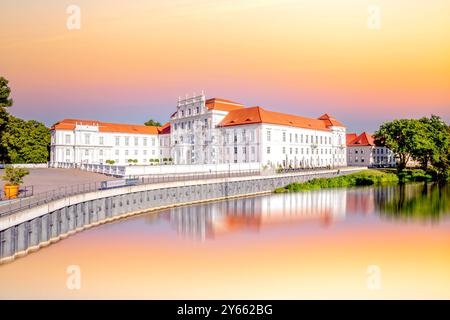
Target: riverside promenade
{"x": 28, "y": 229}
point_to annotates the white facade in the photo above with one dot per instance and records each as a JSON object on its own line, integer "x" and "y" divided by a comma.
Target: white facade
{"x": 362, "y": 150}
{"x": 87, "y": 144}
{"x": 198, "y": 135}
{"x": 371, "y": 156}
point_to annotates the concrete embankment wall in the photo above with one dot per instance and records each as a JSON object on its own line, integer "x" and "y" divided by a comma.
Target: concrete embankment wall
{"x": 30, "y": 229}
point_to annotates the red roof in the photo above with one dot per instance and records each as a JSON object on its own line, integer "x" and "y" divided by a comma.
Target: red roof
{"x": 330, "y": 121}
{"x": 165, "y": 129}
{"x": 364, "y": 139}
{"x": 69, "y": 124}
{"x": 222, "y": 104}
{"x": 261, "y": 115}
{"x": 349, "y": 137}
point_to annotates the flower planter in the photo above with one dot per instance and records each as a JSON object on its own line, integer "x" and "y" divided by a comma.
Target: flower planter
{"x": 11, "y": 191}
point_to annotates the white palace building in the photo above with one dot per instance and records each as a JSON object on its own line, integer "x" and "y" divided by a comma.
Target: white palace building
{"x": 204, "y": 131}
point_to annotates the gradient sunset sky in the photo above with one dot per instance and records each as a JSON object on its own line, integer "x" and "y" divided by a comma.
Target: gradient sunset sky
{"x": 132, "y": 59}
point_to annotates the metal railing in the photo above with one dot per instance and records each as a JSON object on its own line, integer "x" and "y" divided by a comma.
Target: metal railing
{"x": 16, "y": 205}
{"x": 24, "y": 192}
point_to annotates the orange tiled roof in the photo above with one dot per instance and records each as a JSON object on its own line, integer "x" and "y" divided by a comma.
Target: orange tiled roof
{"x": 222, "y": 104}
{"x": 261, "y": 115}
{"x": 165, "y": 129}
{"x": 349, "y": 137}
{"x": 364, "y": 139}
{"x": 330, "y": 121}
{"x": 69, "y": 124}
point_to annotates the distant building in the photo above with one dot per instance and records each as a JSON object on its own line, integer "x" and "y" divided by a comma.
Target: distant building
{"x": 362, "y": 150}
{"x": 205, "y": 131}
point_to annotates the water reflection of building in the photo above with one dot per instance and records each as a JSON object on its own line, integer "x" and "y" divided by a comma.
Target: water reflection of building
{"x": 360, "y": 200}
{"x": 252, "y": 214}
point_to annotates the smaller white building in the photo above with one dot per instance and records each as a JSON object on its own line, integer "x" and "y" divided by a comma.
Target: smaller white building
{"x": 76, "y": 141}
{"x": 362, "y": 150}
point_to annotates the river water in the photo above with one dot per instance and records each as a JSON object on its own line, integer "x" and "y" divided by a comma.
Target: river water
{"x": 373, "y": 242}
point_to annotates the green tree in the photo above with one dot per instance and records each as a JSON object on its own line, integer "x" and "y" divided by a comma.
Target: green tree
{"x": 20, "y": 141}
{"x": 153, "y": 123}
{"x": 437, "y": 145}
{"x": 25, "y": 141}
{"x": 5, "y": 91}
{"x": 5, "y": 101}
{"x": 407, "y": 138}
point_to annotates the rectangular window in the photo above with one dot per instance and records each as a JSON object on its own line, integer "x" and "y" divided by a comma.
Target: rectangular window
{"x": 145, "y": 141}
{"x": 127, "y": 141}
{"x": 117, "y": 152}
{"x": 301, "y": 138}
{"x": 296, "y": 138}
{"x": 136, "y": 141}
{"x": 244, "y": 150}
{"x": 86, "y": 152}
{"x": 268, "y": 150}
{"x": 87, "y": 138}
{"x": 284, "y": 150}
{"x": 290, "y": 137}
{"x": 100, "y": 152}
{"x": 268, "y": 135}
{"x": 235, "y": 150}
{"x": 126, "y": 152}
{"x": 153, "y": 142}
{"x": 67, "y": 152}
{"x": 67, "y": 138}
{"x": 135, "y": 152}
{"x": 284, "y": 136}
{"x": 117, "y": 141}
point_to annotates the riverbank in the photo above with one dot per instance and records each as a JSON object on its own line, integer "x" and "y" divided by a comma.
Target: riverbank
{"x": 363, "y": 178}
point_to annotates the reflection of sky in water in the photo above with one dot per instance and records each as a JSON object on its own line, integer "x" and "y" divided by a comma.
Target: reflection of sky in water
{"x": 299, "y": 245}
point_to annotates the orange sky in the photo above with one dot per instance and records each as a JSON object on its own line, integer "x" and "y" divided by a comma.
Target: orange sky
{"x": 302, "y": 57}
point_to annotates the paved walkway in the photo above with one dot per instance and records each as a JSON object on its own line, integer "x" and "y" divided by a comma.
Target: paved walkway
{"x": 48, "y": 179}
